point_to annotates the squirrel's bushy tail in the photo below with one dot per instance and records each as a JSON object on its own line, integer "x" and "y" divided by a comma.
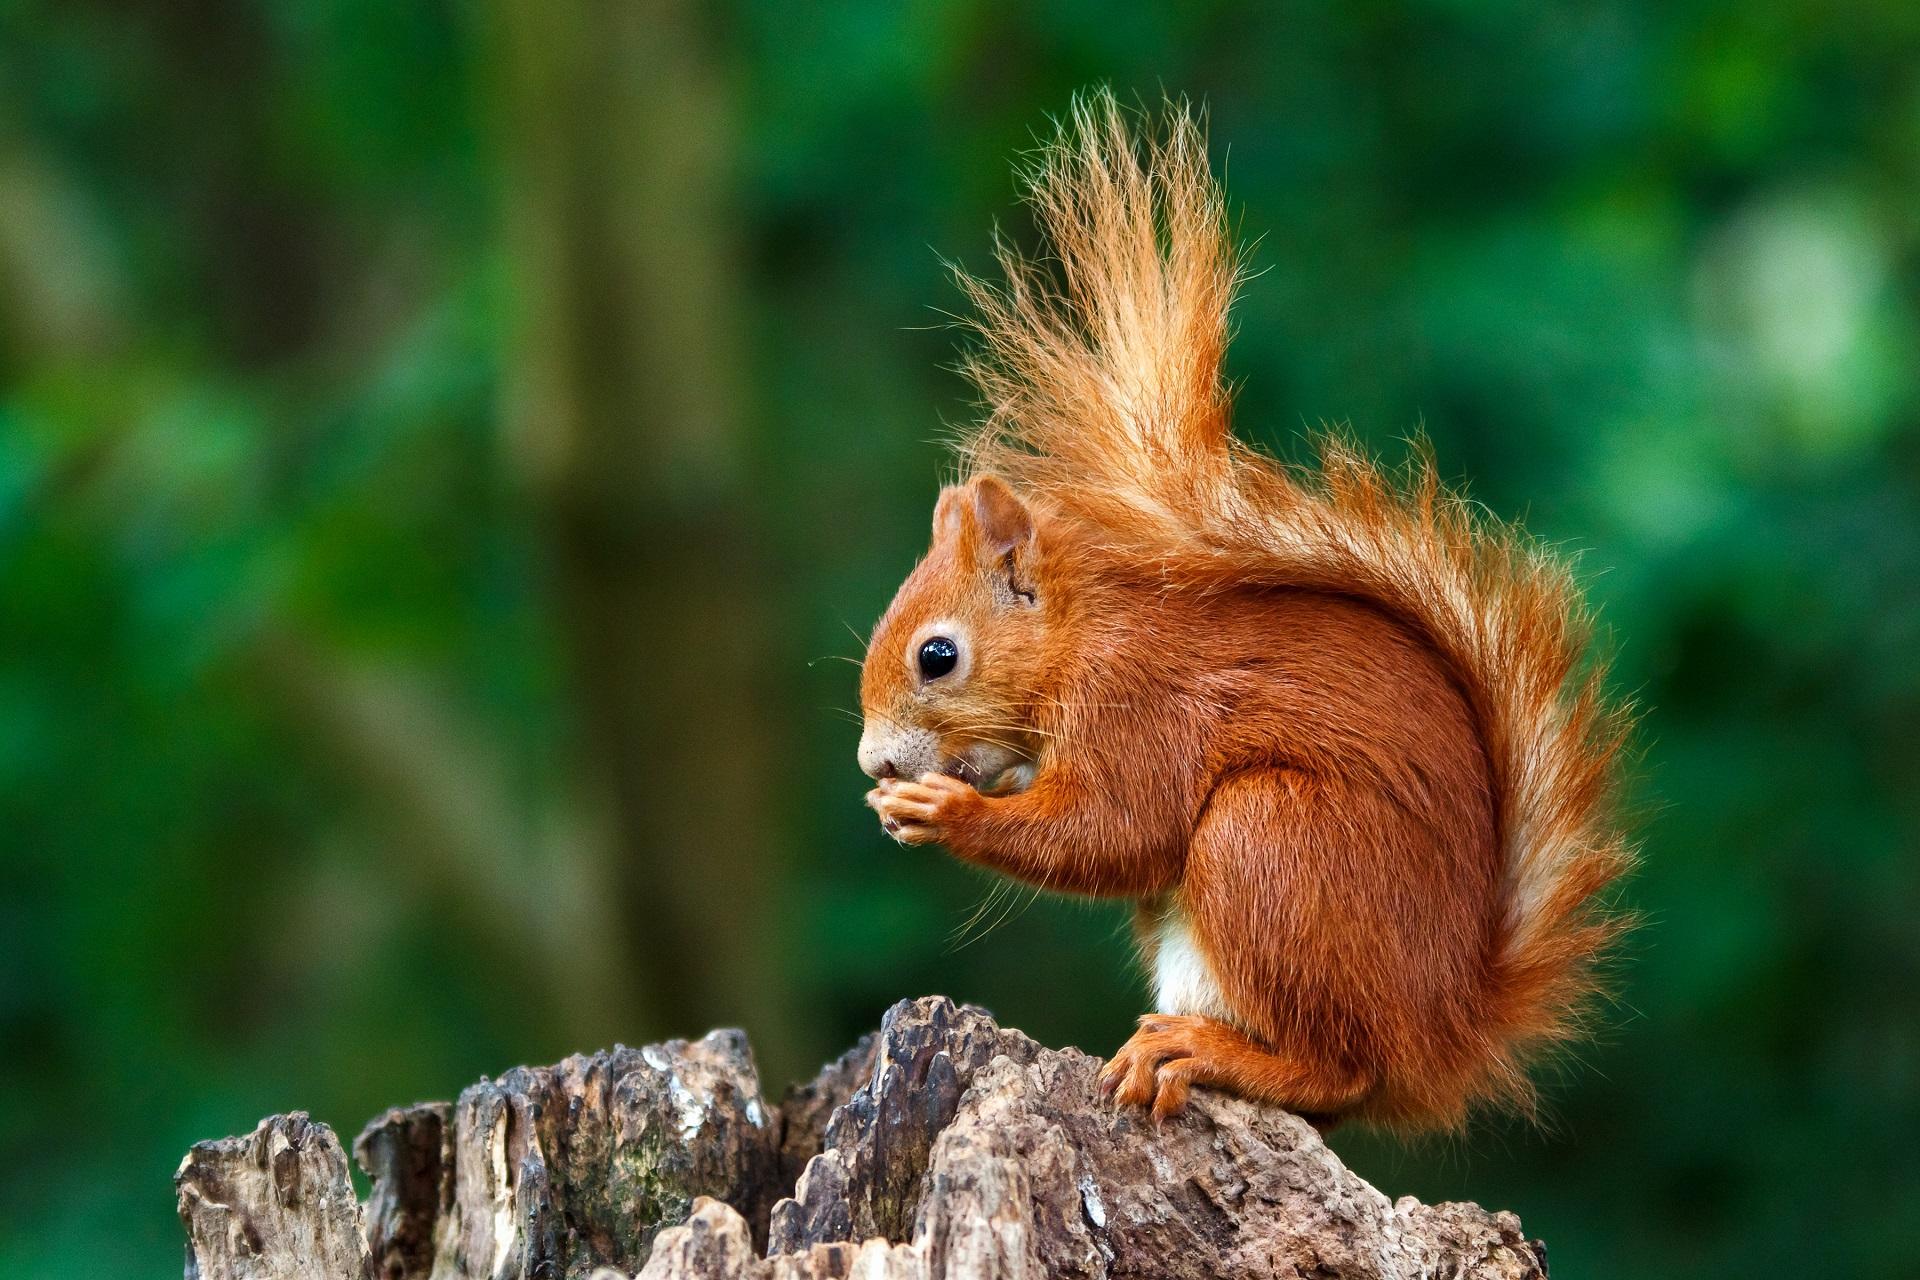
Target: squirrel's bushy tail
{"x": 1101, "y": 376}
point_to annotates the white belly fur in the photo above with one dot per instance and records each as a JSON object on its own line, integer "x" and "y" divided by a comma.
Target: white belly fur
{"x": 1183, "y": 981}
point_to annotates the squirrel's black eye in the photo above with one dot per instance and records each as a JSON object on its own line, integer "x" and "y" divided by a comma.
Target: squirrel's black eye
{"x": 937, "y": 657}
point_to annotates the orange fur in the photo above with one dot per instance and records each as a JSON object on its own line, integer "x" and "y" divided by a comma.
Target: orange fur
{"x": 1336, "y": 725}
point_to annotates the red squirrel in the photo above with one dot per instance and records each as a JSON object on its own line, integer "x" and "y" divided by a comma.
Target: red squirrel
{"x": 1337, "y": 733}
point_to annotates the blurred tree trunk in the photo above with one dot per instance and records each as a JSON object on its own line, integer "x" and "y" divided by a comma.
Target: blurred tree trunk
{"x": 625, "y": 416}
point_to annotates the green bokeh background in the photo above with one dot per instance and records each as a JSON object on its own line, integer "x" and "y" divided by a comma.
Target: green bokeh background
{"x": 444, "y": 445}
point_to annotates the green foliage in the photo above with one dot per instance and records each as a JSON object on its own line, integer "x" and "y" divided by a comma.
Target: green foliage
{"x": 279, "y": 611}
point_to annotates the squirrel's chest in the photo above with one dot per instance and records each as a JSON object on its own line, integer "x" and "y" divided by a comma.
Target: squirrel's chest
{"x": 1183, "y": 981}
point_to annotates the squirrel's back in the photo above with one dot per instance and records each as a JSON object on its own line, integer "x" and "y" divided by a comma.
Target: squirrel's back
{"x": 1101, "y": 375}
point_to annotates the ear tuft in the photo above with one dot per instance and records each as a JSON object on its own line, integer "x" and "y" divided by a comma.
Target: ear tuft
{"x": 1002, "y": 519}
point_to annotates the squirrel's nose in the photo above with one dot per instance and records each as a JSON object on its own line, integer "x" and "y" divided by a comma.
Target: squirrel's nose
{"x": 874, "y": 762}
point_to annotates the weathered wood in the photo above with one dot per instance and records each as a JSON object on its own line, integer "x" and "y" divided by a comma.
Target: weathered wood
{"x": 561, "y": 1169}
{"x": 942, "y": 1148}
{"x": 408, "y": 1154}
{"x": 277, "y": 1204}
{"x": 867, "y": 1179}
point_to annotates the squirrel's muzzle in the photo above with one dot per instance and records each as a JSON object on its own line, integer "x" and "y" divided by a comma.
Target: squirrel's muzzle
{"x": 892, "y": 750}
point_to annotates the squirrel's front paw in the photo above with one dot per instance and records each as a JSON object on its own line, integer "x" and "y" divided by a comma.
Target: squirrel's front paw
{"x": 924, "y": 811}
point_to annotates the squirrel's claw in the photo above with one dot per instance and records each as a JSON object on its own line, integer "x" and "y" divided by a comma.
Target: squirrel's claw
{"x": 1156, "y": 1066}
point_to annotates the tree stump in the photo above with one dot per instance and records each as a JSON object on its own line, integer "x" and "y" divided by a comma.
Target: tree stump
{"x": 943, "y": 1147}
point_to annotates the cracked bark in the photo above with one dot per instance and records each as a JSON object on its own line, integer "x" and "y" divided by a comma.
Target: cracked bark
{"x": 943, "y": 1147}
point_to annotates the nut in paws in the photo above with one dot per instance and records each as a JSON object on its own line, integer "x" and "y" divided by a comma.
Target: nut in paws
{"x": 921, "y": 811}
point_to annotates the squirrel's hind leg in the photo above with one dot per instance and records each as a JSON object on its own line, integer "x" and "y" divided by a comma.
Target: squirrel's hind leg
{"x": 1170, "y": 1053}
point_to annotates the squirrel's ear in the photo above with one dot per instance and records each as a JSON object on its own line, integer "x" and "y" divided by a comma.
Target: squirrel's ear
{"x": 1004, "y": 528}
{"x": 1002, "y": 519}
{"x": 993, "y": 524}
{"x": 948, "y": 511}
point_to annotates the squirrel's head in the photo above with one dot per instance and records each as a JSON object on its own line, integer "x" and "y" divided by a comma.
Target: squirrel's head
{"x": 955, "y": 662}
